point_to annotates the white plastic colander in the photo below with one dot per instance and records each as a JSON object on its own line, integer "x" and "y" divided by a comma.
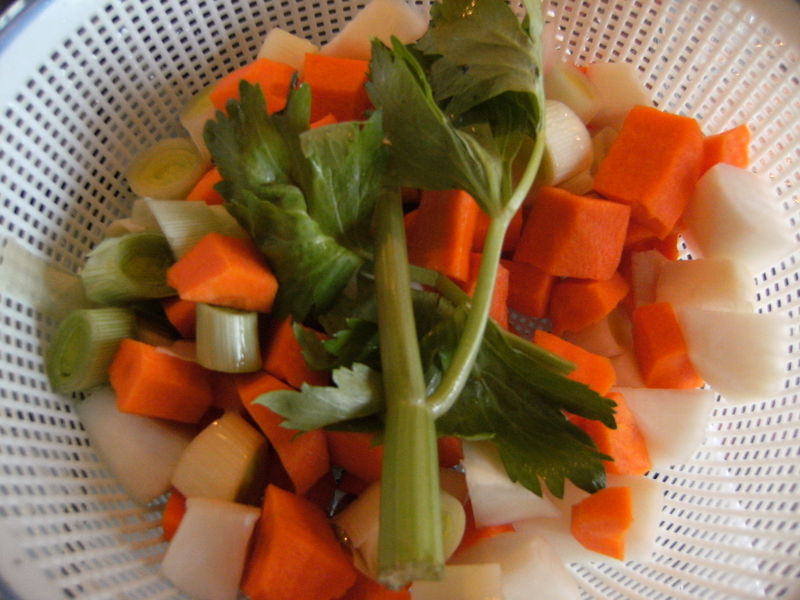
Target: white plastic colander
{"x": 85, "y": 85}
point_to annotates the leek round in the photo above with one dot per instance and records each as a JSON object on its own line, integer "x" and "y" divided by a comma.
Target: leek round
{"x": 227, "y": 339}
{"x": 167, "y": 170}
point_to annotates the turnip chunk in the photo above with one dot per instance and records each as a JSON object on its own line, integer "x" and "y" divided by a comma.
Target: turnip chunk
{"x": 627, "y": 370}
{"x": 741, "y": 355}
{"x": 495, "y": 498}
{"x": 462, "y": 582}
{"x": 717, "y": 283}
{"x": 640, "y": 541}
{"x": 599, "y": 338}
{"x": 619, "y": 89}
{"x": 140, "y": 451}
{"x": 734, "y": 214}
{"x": 673, "y": 422}
{"x": 568, "y": 84}
{"x": 282, "y": 46}
{"x": 380, "y": 19}
{"x": 206, "y": 557}
{"x": 531, "y": 567}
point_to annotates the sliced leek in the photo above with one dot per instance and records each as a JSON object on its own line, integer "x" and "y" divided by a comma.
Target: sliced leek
{"x": 84, "y": 346}
{"x": 226, "y": 223}
{"x": 124, "y": 226}
{"x": 127, "y": 268}
{"x": 168, "y": 170}
{"x": 579, "y": 184}
{"x": 282, "y": 46}
{"x": 227, "y": 339}
{"x": 568, "y": 146}
{"x": 194, "y": 116}
{"x": 568, "y": 84}
{"x": 226, "y": 461}
{"x": 601, "y": 144}
{"x": 182, "y": 223}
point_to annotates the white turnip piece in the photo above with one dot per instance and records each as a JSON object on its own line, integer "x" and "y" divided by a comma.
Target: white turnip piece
{"x": 717, "y": 283}
{"x": 281, "y": 46}
{"x": 462, "y": 582}
{"x": 619, "y": 89}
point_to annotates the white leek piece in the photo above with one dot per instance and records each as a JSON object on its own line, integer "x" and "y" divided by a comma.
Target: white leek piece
{"x": 225, "y": 461}
{"x": 380, "y": 19}
{"x": 129, "y": 267}
{"x": 281, "y": 46}
{"x": 717, "y": 283}
{"x": 206, "y": 556}
{"x": 143, "y": 217}
{"x": 568, "y": 84}
{"x": 735, "y": 214}
{"x": 619, "y": 89}
{"x": 84, "y": 346}
{"x": 226, "y": 224}
{"x": 194, "y": 116}
{"x": 182, "y": 223}
{"x": 743, "y": 356}
{"x": 123, "y": 226}
{"x": 227, "y": 339}
{"x": 580, "y": 184}
{"x": 140, "y": 452}
{"x": 168, "y": 170}
{"x": 462, "y": 582}
{"x": 568, "y": 146}
{"x": 495, "y": 498}
{"x": 601, "y": 144}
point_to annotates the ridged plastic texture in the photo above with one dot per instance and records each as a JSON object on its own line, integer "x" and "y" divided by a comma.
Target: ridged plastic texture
{"x": 113, "y": 84}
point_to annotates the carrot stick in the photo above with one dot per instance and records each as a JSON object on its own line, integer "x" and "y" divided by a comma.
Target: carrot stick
{"x": 295, "y": 553}
{"x": 731, "y": 147}
{"x": 304, "y": 456}
{"x": 367, "y": 588}
{"x": 591, "y": 369}
{"x": 174, "y": 510}
{"x": 601, "y": 521}
{"x": 182, "y": 314}
{"x": 156, "y": 384}
{"x": 499, "y": 308}
{"x": 337, "y": 86}
{"x": 573, "y": 236}
{"x": 283, "y": 357}
{"x": 655, "y": 179}
{"x": 203, "y": 190}
{"x": 578, "y": 303}
{"x": 225, "y": 271}
{"x": 528, "y": 288}
{"x": 274, "y": 77}
{"x": 440, "y": 233}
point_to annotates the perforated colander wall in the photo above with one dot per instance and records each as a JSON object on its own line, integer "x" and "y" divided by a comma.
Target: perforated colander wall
{"x": 113, "y": 84}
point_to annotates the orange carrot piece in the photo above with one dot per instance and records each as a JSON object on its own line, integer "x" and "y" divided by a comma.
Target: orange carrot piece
{"x": 578, "y": 303}
{"x": 573, "y": 236}
{"x": 203, "y": 190}
{"x": 655, "y": 179}
{"x": 226, "y": 394}
{"x": 350, "y": 484}
{"x": 601, "y": 521}
{"x": 225, "y": 271}
{"x": 295, "y": 553}
{"x": 367, "y": 588}
{"x": 512, "y": 233}
{"x": 182, "y": 314}
{"x": 591, "y": 369}
{"x": 731, "y": 147}
{"x": 156, "y": 384}
{"x": 450, "y": 451}
{"x": 274, "y": 77}
{"x": 474, "y": 534}
{"x": 283, "y": 357}
{"x": 173, "y": 513}
{"x": 440, "y": 233}
{"x": 328, "y": 119}
{"x": 660, "y": 348}
{"x": 356, "y": 454}
{"x": 625, "y": 444}
{"x": 528, "y": 288}
{"x": 322, "y": 493}
{"x": 337, "y": 86}
{"x": 499, "y": 307}
{"x": 304, "y": 455}
{"x": 640, "y": 239}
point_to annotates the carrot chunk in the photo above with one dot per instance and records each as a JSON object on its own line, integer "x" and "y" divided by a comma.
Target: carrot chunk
{"x": 591, "y": 369}
{"x": 304, "y": 456}
{"x": 440, "y": 233}
{"x": 283, "y": 357}
{"x": 226, "y": 394}
{"x": 203, "y": 190}
{"x": 367, "y": 588}
{"x": 182, "y": 314}
{"x": 173, "y": 513}
{"x": 577, "y": 303}
{"x": 660, "y": 348}
{"x": 499, "y": 307}
{"x": 528, "y": 288}
{"x": 274, "y": 77}
{"x": 601, "y": 521}
{"x": 512, "y": 232}
{"x": 156, "y": 384}
{"x": 295, "y": 553}
{"x": 337, "y": 86}
{"x": 450, "y": 451}
{"x": 573, "y": 236}
{"x": 226, "y": 271}
{"x": 356, "y": 454}
{"x": 653, "y": 166}
{"x": 731, "y": 147}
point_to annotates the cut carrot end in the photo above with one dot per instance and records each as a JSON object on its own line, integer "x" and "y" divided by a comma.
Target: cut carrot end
{"x": 601, "y": 521}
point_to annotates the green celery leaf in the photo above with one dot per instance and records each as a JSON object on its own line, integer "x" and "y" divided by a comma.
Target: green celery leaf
{"x": 358, "y": 393}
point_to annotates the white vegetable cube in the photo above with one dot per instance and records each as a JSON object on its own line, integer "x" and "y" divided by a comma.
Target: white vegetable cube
{"x": 495, "y": 498}
{"x": 380, "y": 19}
{"x": 282, "y": 46}
{"x": 718, "y": 283}
{"x": 530, "y": 567}
{"x": 673, "y": 422}
{"x": 567, "y": 145}
{"x": 734, "y": 214}
{"x": 741, "y": 355}
{"x": 619, "y": 89}
{"x": 140, "y": 451}
{"x": 462, "y": 582}
{"x": 206, "y": 556}
{"x": 568, "y": 84}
